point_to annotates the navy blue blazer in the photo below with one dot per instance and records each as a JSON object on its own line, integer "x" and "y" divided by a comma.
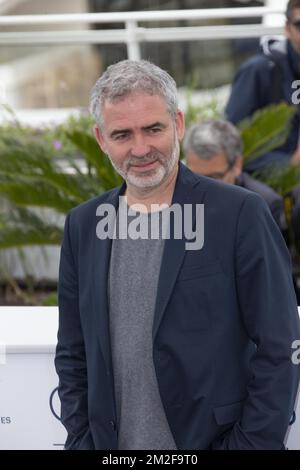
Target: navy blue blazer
{"x": 224, "y": 323}
{"x": 274, "y": 200}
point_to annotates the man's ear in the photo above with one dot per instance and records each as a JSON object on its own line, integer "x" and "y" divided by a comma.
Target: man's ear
{"x": 99, "y": 137}
{"x": 180, "y": 124}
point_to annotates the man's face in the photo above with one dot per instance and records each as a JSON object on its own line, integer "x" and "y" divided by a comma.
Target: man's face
{"x": 217, "y": 167}
{"x": 141, "y": 139}
{"x": 292, "y": 29}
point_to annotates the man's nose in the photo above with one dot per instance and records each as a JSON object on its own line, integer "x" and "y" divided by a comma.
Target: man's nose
{"x": 140, "y": 147}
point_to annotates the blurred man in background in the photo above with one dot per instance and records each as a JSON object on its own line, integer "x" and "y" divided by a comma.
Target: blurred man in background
{"x": 267, "y": 79}
{"x": 214, "y": 148}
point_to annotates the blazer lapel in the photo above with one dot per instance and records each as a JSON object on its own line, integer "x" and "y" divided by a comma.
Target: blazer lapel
{"x": 174, "y": 249}
{"x": 101, "y": 258}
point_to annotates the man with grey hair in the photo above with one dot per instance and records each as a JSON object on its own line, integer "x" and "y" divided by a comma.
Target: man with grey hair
{"x": 160, "y": 347}
{"x": 214, "y": 148}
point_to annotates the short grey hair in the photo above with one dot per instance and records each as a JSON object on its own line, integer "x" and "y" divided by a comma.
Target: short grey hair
{"x": 208, "y": 138}
{"x": 132, "y": 76}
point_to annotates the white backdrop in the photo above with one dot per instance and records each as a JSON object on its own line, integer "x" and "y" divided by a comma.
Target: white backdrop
{"x": 27, "y": 379}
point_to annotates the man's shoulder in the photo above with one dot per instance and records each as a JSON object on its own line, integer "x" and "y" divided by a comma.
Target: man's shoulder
{"x": 258, "y": 63}
{"x": 259, "y": 187}
{"x": 226, "y": 195}
{"x": 273, "y": 52}
{"x": 225, "y": 204}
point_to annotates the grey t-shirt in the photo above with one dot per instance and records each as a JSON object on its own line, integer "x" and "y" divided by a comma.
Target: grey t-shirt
{"x": 133, "y": 278}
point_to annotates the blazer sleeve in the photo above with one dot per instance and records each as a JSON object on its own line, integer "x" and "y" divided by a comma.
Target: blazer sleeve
{"x": 269, "y": 312}
{"x": 70, "y": 358}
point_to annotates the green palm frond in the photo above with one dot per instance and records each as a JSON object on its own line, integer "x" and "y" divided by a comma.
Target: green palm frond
{"x": 21, "y": 227}
{"x": 267, "y": 129}
{"x": 50, "y": 300}
{"x": 283, "y": 179}
{"x": 31, "y": 176}
{"x": 34, "y": 164}
{"x": 88, "y": 146}
{"x": 40, "y": 194}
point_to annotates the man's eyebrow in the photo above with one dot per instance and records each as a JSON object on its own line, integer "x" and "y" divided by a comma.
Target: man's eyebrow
{"x": 155, "y": 124}
{"x": 124, "y": 131}
{"x": 118, "y": 131}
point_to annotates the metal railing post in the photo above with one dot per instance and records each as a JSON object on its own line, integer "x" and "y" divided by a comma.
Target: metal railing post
{"x": 132, "y": 43}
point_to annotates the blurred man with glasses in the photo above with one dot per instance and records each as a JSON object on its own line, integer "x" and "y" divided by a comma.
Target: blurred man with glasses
{"x": 267, "y": 79}
{"x": 214, "y": 148}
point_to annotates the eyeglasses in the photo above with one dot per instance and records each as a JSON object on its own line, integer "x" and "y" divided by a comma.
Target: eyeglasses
{"x": 219, "y": 175}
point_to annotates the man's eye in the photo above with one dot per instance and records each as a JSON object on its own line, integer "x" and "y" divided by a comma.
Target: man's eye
{"x": 120, "y": 136}
{"x": 155, "y": 130}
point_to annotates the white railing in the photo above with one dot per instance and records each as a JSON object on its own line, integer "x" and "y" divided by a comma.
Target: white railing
{"x": 132, "y": 34}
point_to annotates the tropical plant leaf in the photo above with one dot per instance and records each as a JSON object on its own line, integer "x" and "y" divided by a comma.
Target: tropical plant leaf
{"x": 33, "y": 164}
{"x": 40, "y": 194}
{"x": 21, "y": 227}
{"x": 87, "y": 144}
{"x": 51, "y": 300}
{"x": 12, "y": 237}
{"x": 266, "y": 130}
{"x": 283, "y": 179}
